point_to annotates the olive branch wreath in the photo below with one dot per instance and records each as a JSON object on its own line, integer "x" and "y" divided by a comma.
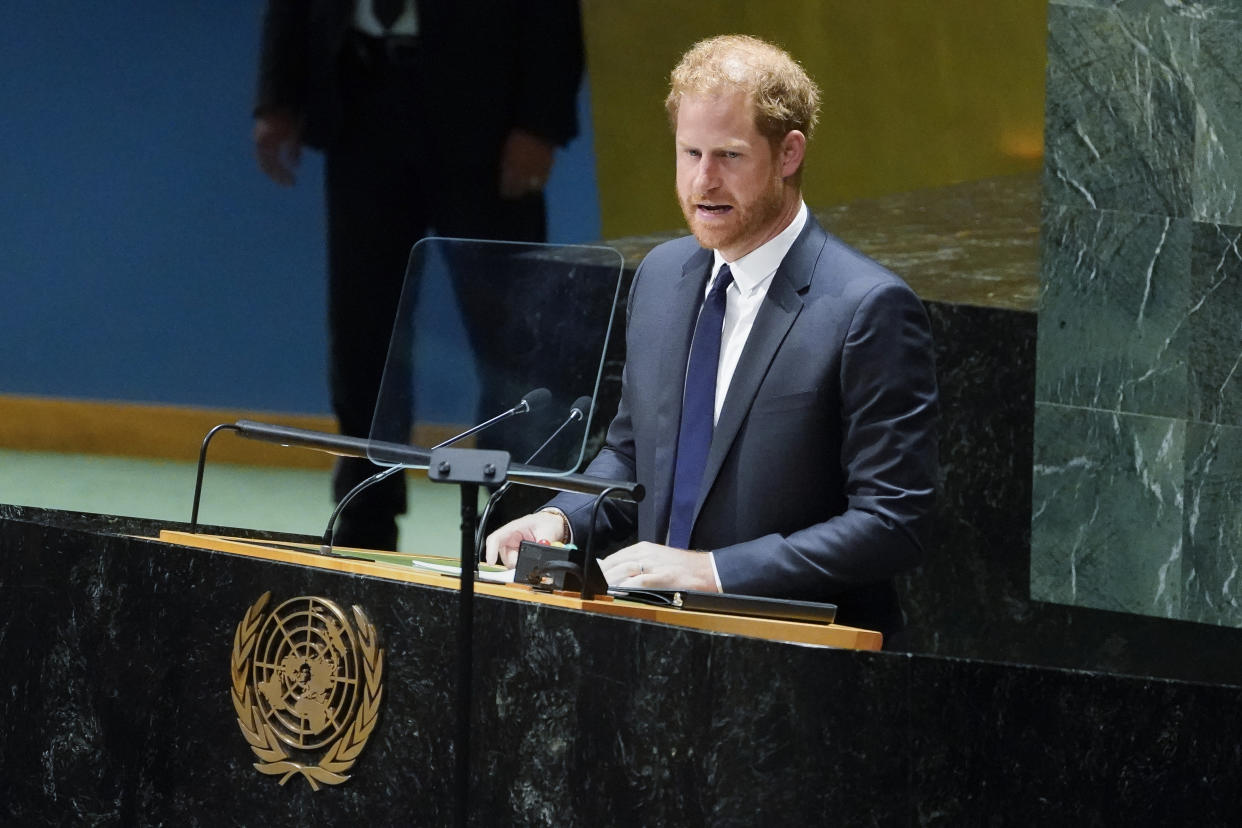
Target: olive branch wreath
{"x": 342, "y": 753}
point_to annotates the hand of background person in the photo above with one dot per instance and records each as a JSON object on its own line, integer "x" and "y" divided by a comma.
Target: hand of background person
{"x": 278, "y": 145}
{"x": 525, "y": 162}
{"x": 503, "y": 544}
{"x": 656, "y": 566}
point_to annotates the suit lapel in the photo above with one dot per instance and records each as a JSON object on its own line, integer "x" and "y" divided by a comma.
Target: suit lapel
{"x": 776, "y": 316}
{"x": 686, "y": 298}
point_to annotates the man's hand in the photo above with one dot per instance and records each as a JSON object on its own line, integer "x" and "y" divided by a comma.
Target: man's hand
{"x": 278, "y": 145}
{"x": 540, "y": 526}
{"x": 649, "y": 564}
{"x": 525, "y": 162}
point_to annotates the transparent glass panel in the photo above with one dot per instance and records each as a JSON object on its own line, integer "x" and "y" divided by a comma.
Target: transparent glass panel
{"x": 482, "y": 324}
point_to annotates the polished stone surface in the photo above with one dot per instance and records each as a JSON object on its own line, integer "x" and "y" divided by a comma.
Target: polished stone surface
{"x": 1119, "y": 116}
{"x": 972, "y": 243}
{"x": 1094, "y": 472}
{"x": 118, "y": 713}
{"x": 1143, "y": 109}
{"x": 1212, "y": 558}
{"x": 1214, "y": 321}
{"x": 1112, "y": 327}
{"x": 1205, "y": 10}
{"x": 1217, "y": 82}
{"x": 1140, "y": 326}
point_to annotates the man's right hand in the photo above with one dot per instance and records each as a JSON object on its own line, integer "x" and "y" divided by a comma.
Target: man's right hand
{"x": 540, "y": 526}
{"x": 278, "y": 145}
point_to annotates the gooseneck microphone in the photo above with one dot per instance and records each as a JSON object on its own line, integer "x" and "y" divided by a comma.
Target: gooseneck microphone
{"x": 577, "y": 411}
{"x": 531, "y": 401}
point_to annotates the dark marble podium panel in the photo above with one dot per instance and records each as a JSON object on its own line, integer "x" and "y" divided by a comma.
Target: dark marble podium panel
{"x": 115, "y": 698}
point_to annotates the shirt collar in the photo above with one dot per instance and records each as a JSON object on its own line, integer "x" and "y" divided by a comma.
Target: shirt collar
{"x": 755, "y": 268}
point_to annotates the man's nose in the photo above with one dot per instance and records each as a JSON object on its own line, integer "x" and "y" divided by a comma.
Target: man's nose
{"x": 706, "y": 175}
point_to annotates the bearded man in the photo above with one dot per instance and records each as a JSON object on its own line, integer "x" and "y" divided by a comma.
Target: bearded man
{"x": 779, "y": 397}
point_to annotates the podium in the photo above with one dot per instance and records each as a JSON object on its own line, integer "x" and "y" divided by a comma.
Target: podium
{"x": 118, "y": 651}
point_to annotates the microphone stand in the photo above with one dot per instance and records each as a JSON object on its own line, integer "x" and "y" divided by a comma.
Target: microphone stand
{"x": 532, "y": 401}
{"x": 576, "y": 412}
{"x": 469, "y": 468}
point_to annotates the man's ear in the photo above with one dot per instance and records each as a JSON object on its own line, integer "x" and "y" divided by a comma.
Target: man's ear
{"x": 792, "y": 151}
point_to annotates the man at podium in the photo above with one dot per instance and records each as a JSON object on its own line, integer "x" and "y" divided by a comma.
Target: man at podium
{"x": 779, "y": 398}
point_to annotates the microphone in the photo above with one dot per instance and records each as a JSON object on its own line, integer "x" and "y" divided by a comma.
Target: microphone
{"x": 577, "y": 411}
{"x": 531, "y": 401}
{"x": 534, "y": 401}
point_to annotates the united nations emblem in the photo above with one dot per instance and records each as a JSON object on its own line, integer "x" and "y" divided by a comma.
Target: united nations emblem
{"x": 306, "y": 680}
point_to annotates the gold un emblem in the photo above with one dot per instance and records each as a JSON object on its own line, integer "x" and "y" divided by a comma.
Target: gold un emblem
{"x": 306, "y": 687}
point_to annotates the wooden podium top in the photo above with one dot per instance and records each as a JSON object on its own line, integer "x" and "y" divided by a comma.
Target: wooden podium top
{"x": 393, "y": 568}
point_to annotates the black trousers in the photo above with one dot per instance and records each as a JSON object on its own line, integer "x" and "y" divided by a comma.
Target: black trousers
{"x": 401, "y": 169}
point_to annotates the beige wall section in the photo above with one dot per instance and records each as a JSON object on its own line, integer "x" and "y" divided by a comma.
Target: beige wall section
{"x": 155, "y": 431}
{"x": 917, "y": 93}
{"x": 163, "y": 431}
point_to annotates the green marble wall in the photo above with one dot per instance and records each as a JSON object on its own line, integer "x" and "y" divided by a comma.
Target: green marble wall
{"x": 1137, "y": 491}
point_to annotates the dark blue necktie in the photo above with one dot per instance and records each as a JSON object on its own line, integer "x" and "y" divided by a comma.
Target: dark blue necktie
{"x": 697, "y": 411}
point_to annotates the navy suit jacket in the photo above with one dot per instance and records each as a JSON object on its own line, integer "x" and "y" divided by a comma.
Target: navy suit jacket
{"x": 823, "y": 465}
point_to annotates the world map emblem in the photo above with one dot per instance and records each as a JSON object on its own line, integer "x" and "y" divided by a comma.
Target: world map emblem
{"x": 306, "y": 686}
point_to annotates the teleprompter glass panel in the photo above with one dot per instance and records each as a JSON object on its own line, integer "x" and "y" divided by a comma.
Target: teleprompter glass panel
{"x": 484, "y": 325}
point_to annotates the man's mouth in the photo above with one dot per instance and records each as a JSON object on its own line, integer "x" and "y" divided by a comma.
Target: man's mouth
{"x": 714, "y": 209}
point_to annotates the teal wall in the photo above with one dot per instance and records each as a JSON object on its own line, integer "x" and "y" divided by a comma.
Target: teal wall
{"x": 144, "y": 256}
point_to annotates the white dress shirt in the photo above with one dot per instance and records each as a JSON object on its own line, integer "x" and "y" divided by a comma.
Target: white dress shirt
{"x": 752, "y": 275}
{"x": 365, "y": 21}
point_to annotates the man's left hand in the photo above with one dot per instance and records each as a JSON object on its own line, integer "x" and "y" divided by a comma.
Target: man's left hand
{"x": 652, "y": 565}
{"x": 525, "y": 162}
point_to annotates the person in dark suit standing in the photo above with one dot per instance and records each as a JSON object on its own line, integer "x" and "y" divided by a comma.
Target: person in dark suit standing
{"x": 779, "y": 399}
{"x": 434, "y": 116}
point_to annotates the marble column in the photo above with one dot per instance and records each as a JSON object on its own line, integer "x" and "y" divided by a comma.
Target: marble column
{"x": 1137, "y": 490}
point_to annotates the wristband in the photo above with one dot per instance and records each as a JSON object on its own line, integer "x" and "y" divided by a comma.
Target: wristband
{"x": 566, "y": 532}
